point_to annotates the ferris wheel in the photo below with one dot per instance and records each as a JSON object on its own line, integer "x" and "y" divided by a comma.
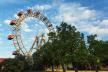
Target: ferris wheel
{"x": 16, "y": 33}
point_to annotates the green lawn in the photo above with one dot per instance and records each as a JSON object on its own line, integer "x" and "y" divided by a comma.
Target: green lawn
{"x": 79, "y": 71}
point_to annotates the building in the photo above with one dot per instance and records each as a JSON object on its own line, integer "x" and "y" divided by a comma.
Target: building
{"x": 2, "y": 60}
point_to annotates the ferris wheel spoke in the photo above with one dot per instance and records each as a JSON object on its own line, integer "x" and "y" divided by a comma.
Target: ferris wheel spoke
{"x": 35, "y": 42}
{"x": 20, "y": 45}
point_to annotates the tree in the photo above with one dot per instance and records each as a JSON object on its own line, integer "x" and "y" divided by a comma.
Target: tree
{"x": 97, "y": 49}
{"x": 72, "y": 44}
{"x": 12, "y": 65}
{"x": 68, "y": 46}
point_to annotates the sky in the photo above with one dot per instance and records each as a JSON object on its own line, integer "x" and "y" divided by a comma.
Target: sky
{"x": 89, "y": 17}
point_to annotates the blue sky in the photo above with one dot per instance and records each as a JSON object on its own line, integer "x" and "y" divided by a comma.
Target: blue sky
{"x": 89, "y": 17}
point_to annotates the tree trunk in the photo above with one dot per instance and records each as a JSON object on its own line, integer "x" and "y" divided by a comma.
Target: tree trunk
{"x": 89, "y": 66}
{"x": 75, "y": 67}
{"x": 63, "y": 67}
{"x": 97, "y": 68}
{"x": 76, "y": 70}
{"x": 52, "y": 67}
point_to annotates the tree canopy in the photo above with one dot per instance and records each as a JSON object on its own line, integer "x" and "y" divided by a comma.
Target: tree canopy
{"x": 65, "y": 47}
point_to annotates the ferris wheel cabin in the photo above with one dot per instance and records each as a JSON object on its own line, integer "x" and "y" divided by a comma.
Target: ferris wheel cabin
{"x": 20, "y": 14}
{"x": 29, "y": 11}
{"x": 10, "y": 37}
{"x": 13, "y": 22}
{"x": 15, "y": 53}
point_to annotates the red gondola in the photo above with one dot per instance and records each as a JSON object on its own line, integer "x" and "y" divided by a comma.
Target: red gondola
{"x": 29, "y": 11}
{"x": 49, "y": 25}
{"x": 13, "y": 22}
{"x": 37, "y": 13}
{"x": 10, "y": 37}
{"x": 15, "y": 53}
{"x": 45, "y": 18}
{"x": 20, "y": 14}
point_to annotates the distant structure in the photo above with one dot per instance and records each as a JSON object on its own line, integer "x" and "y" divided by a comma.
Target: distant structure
{"x": 16, "y": 34}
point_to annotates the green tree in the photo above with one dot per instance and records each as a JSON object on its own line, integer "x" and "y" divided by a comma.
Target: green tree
{"x": 96, "y": 49}
{"x": 12, "y": 65}
{"x": 68, "y": 46}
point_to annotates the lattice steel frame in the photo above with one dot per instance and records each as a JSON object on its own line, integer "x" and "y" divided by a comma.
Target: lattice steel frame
{"x": 16, "y": 30}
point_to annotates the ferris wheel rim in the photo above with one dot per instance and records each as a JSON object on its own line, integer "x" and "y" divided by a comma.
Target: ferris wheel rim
{"x": 16, "y": 28}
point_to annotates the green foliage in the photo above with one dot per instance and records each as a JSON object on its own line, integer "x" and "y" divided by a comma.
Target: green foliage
{"x": 65, "y": 46}
{"x": 98, "y": 49}
{"x": 12, "y": 65}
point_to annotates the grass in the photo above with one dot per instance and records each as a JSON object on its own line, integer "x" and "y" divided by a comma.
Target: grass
{"x": 78, "y": 71}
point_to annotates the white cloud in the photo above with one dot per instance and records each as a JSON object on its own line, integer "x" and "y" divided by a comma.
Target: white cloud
{"x": 25, "y": 27}
{"x": 85, "y": 19}
{"x": 42, "y": 7}
{"x": 104, "y": 22}
{"x": 99, "y": 31}
{"x": 46, "y": 30}
{"x": 7, "y": 21}
{"x": 94, "y": 30}
{"x": 15, "y": 15}
{"x": 74, "y": 12}
{"x": 87, "y": 14}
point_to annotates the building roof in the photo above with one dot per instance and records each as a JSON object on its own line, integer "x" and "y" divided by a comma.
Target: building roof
{"x": 2, "y": 60}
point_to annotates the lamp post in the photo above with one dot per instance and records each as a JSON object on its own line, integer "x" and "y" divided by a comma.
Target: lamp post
{"x": 97, "y": 65}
